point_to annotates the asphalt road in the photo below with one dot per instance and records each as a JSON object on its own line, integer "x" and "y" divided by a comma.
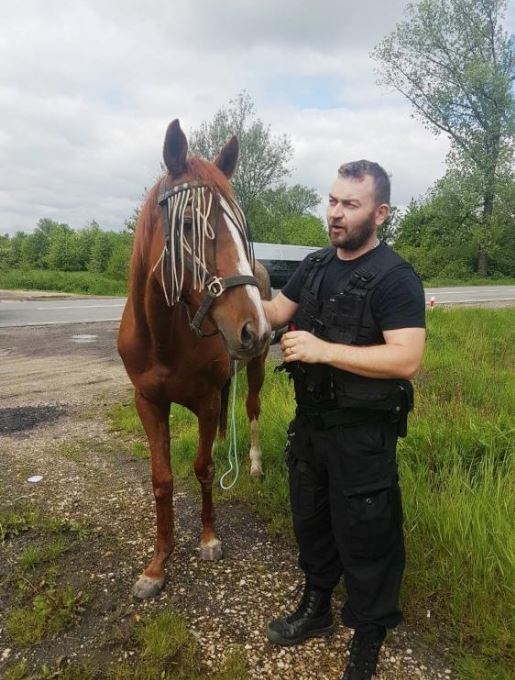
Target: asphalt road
{"x": 39, "y": 312}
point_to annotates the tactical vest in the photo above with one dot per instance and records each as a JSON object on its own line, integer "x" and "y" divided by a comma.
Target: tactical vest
{"x": 346, "y": 318}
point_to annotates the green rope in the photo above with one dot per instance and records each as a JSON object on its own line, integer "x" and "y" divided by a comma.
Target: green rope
{"x": 232, "y": 455}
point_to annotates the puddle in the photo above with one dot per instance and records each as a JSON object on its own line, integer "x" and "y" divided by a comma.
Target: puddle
{"x": 26, "y": 417}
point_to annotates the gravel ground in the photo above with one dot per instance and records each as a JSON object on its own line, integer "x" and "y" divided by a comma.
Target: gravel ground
{"x": 88, "y": 474}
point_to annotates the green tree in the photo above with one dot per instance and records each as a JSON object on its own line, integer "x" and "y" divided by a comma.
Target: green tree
{"x": 442, "y": 233}
{"x": 130, "y": 223}
{"x": 34, "y": 250}
{"x": 388, "y": 230}
{"x": 455, "y": 63}
{"x": 100, "y": 253}
{"x": 119, "y": 260}
{"x": 263, "y": 160}
{"x": 285, "y": 215}
{"x": 13, "y": 250}
{"x": 64, "y": 249}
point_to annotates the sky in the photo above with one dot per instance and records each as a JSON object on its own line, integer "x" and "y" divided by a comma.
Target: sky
{"x": 88, "y": 87}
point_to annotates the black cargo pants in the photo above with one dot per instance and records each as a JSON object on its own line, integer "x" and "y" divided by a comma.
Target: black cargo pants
{"x": 347, "y": 514}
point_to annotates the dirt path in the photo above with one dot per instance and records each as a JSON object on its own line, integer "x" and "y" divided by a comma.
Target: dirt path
{"x": 89, "y": 475}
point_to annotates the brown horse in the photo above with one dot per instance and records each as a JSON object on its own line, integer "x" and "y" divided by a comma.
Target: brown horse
{"x": 194, "y": 305}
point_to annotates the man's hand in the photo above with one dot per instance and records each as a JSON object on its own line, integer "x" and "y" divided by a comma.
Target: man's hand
{"x": 280, "y": 310}
{"x": 303, "y": 346}
{"x": 399, "y": 357}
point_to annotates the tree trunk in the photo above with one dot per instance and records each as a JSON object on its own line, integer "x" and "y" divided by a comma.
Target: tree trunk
{"x": 482, "y": 263}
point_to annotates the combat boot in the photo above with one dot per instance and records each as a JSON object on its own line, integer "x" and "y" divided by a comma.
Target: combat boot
{"x": 312, "y": 618}
{"x": 364, "y": 652}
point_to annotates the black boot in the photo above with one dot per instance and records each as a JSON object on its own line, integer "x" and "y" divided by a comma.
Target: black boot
{"x": 364, "y": 652}
{"x": 312, "y": 618}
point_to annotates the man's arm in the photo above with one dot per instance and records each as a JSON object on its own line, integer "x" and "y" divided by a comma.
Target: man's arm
{"x": 280, "y": 310}
{"x": 400, "y": 357}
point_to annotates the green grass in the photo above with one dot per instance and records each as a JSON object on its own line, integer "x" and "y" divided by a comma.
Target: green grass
{"x": 35, "y": 555}
{"x": 19, "y": 520}
{"x": 66, "y": 282}
{"x": 471, "y": 281}
{"x": 164, "y": 648}
{"x": 90, "y": 283}
{"x": 457, "y": 475}
{"x": 48, "y": 613}
{"x": 42, "y": 607}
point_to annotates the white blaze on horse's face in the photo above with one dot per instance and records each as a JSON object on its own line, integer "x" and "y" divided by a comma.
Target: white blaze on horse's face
{"x": 245, "y": 269}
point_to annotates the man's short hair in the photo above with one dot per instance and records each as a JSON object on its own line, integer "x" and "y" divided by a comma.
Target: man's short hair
{"x": 358, "y": 170}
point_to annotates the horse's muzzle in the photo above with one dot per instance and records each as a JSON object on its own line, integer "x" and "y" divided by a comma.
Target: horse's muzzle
{"x": 251, "y": 342}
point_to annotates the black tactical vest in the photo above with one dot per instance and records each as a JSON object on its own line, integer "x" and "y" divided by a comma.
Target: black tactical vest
{"x": 346, "y": 318}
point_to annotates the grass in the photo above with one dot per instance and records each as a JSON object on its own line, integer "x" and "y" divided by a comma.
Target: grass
{"x": 89, "y": 283}
{"x": 47, "y": 614}
{"x": 66, "y": 282}
{"x": 471, "y": 281}
{"x": 42, "y": 606}
{"x": 165, "y": 648}
{"x": 35, "y": 555}
{"x": 16, "y": 521}
{"x": 457, "y": 475}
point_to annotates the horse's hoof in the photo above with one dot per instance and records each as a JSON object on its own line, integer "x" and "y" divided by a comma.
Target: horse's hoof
{"x": 256, "y": 469}
{"x": 146, "y": 587}
{"x": 211, "y": 551}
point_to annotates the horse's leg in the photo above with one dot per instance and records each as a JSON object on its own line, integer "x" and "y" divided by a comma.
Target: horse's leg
{"x": 255, "y": 377}
{"x": 155, "y": 420}
{"x": 208, "y": 416}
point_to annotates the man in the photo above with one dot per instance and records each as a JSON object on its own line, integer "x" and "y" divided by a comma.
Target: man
{"x": 357, "y": 333}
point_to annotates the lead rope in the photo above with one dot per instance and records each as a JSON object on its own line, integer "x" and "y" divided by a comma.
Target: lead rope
{"x": 232, "y": 455}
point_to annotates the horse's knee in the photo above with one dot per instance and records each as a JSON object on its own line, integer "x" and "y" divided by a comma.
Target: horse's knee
{"x": 204, "y": 472}
{"x": 163, "y": 490}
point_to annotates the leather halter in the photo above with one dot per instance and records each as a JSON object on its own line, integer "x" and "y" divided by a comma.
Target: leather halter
{"x": 215, "y": 286}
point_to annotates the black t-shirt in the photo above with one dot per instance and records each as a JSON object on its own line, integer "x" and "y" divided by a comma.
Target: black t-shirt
{"x": 397, "y": 301}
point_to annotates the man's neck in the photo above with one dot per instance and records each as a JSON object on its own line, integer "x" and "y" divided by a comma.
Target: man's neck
{"x": 344, "y": 254}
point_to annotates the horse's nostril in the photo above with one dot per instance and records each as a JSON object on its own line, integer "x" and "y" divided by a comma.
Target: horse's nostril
{"x": 248, "y": 336}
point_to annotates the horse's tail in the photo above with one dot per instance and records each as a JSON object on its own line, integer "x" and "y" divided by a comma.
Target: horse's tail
{"x": 222, "y": 423}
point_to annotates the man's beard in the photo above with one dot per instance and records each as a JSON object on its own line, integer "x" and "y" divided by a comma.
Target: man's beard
{"x": 357, "y": 238}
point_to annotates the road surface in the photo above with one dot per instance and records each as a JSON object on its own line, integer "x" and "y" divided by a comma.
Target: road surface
{"x": 63, "y": 310}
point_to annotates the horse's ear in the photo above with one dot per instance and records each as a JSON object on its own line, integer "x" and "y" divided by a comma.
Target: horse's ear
{"x": 175, "y": 149}
{"x": 227, "y": 159}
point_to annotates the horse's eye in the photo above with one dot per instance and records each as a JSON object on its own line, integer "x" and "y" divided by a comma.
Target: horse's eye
{"x": 188, "y": 219}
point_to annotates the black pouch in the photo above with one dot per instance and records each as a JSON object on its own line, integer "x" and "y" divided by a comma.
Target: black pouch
{"x": 404, "y": 404}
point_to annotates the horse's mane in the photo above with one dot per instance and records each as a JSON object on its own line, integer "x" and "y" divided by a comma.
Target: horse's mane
{"x": 196, "y": 169}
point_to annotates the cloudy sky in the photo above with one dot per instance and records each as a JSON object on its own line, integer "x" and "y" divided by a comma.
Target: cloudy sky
{"x": 87, "y": 88}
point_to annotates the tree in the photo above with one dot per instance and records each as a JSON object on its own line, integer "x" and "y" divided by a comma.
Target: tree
{"x": 276, "y": 213}
{"x": 118, "y": 264}
{"x": 454, "y": 62}
{"x": 388, "y": 230}
{"x": 101, "y": 251}
{"x": 285, "y": 215}
{"x": 263, "y": 158}
{"x": 64, "y": 249}
{"x": 441, "y": 233}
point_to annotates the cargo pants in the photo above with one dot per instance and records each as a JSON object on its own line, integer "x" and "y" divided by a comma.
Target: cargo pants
{"x": 347, "y": 514}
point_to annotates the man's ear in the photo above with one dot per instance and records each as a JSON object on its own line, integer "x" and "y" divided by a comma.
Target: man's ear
{"x": 227, "y": 159}
{"x": 382, "y": 212}
{"x": 175, "y": 149}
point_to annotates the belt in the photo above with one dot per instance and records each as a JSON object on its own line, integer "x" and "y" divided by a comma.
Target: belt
{"x": 323, "y": 419}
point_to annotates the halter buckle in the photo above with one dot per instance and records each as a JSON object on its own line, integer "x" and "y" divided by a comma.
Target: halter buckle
{"x": 215, "y": 286}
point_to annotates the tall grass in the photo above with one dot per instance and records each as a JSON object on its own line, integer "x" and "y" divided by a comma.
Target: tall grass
{"x": 457, "y": 474}
{"x": 66, "y": 282}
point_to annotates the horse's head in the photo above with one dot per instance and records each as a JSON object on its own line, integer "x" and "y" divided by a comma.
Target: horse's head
{"x": 207, "y": 260}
